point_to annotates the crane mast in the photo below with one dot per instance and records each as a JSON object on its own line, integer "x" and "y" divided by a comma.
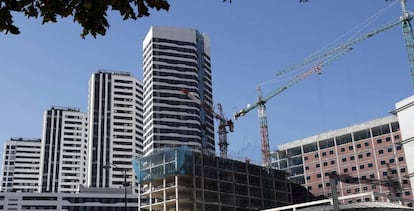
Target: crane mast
{"x": 408, "y": 37}
{"x": 264, "y": 132}
{"x": 222, "y": 131}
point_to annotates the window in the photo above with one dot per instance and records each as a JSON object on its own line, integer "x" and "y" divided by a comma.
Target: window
{"x": 382, "y": 162}
{"x": 345, "y": 170}
{"x": 366, "y": 144}
{"x": 393, "y": 171}
{"x": 384, "y": 173}
{"x": 332, "y": 162}
{"x": 306, "y": 167}
{"x": 323, "y": 153}
{"x": 368, "y": 154}
{"x": 370, "y": 165}
{"x": 331, "y": 152}
{"x": 400, "y": 158}
{"x": 388, "y": 139}
{"x": 308, "y": 177}
{"x": 316, "y": 155}
{"x": 407, "y": 193}
{"x": 379, "y": 141}
{"x": 325, "y": 163}
{"x": 402, "y": 170}
{"x": 356, "y": 190}
{"x": 351, "y": 147}
{"x": 353, "y": 168}
{"x": 352, "y": 158}
{"x": 342, "y": 149}
{"x": 360, "y": 156}
{"x": 320, "y": 186}
{"x": 364, "y": 177}
{"x": 343, "y": 159}
{"x": 372, "y": 176}
{"x": 373, "y": 186}
{"x": 358, "y": 146}
{"x": 318, "y": 165}
{"x": 397, "y": 137}
{"x": 319, "y": 175}
{"x": 309, "y": 187}
{"x": 306, "y": 158}
{"x": 380, "y": 151}
{"x": 348, "y": 191}
{"x": 398, "y": 147}
{"x": 365, "y": 188}
{"x": 392, "y": 160}
{"x": 361, "y": 166}
{"x": 389, "y": 149}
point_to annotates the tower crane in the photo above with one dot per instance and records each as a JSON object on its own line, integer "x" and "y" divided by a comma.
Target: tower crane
{"x": 223, "y": 122}
{"x": 318, "y": 60}
{"x": 261, "y": 102}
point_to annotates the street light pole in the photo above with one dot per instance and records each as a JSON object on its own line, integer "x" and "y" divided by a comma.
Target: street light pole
{"x": 125, "y": 184}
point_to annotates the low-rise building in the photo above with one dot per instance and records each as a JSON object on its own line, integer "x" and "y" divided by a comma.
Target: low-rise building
{"x": 182, "y": 179}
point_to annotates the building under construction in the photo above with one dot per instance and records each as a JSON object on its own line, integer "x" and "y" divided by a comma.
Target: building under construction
{"x": 182, "y": 179}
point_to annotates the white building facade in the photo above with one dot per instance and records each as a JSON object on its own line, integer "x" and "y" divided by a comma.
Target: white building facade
{"x": 115, "y": 128}
{"x": 64, "y": 150}
{"x": 176, "y": 59}
{"x": 21, "y": 164}
{"x": 405, "y": 113}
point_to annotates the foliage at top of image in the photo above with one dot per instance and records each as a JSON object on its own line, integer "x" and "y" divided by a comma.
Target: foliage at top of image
{"x": 90, "y": 14}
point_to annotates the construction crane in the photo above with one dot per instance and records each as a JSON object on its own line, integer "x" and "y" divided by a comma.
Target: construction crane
{"x": 223, "y": 122}
{"x": 320, "y": 59}
{"x": 404, "y": 20}
{"x": 261, "y": 103}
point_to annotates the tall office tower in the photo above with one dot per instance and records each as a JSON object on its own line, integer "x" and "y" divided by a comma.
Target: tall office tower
{"x": 115, "y": 128}
{"x": 176, "y": 59}
{"x": 21, "y": 164}
{"x": 363, "y": 158}
{"x": 64, "y": 150}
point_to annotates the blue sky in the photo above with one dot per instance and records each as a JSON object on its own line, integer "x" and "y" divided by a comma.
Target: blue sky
{"x": 250, "y": 42}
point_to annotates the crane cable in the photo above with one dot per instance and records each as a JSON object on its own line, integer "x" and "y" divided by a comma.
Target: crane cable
{"x": 362, "y": 26}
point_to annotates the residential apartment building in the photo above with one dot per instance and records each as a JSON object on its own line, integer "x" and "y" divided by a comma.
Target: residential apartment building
{"x": 115, "y": 128}
{"x": 184, "y": 179}
{"x": 176, "y": 59}
{"x": 64, "y": 150}
{"x": 21, "y": 164}
{"x": 367, "y": 157}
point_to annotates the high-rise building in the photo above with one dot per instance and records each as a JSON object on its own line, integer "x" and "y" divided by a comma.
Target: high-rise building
{"x": 367, "y": 157}
{"x": 115, "y": 128}
{"x": 176, "y": 59}
{"x": 21, "y": 164}
{"x": 64, "y": 150}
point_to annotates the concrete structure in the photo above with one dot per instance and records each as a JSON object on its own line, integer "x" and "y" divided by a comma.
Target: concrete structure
{"x": 64, "y": 150}
{"x": 21, "y": 164}
{"x": 182, "y": 179}
{"x": 174, "y": 59}
{"x": 115, "y": 128}
{"x": 103, "y": 200}
{"x": 368, "y": 157}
